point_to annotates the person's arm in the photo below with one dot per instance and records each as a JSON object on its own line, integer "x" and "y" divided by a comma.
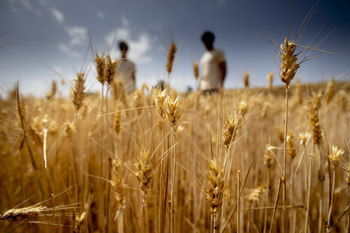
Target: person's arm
{"x": 133, "y": 79}
{"x": 223, "y": 69}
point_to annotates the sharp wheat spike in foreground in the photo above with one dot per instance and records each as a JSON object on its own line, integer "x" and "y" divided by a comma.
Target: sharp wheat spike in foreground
{"x": 288, "y": 68}
{"x": 173, "y": 112}
{"x": 144, "y": 175}
{"x": 145, "y": 170}
{"x": 289, "y": 61}
{"x": 214, "y": 192}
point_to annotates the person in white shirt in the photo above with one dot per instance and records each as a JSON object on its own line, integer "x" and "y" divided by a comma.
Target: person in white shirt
{"x": 213, "y": 66}
{"x": 126, "y": 69}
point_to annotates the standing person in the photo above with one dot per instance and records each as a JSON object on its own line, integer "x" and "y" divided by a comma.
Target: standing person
{"x": 126, "y": 69}
{"x": 213, "y": 66}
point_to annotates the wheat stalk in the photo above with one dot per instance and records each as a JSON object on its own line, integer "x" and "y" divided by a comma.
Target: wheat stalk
{"x": 144, "y": 175}
{"x": 334, "y": 157}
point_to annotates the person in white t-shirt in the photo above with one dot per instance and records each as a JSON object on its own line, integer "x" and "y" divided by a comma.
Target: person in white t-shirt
{"x": 126, "y": 69}
{"x": 213, "y": 66}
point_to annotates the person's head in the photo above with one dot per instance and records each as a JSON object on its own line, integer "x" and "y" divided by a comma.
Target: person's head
{"x": 123, "y": 46}
{"x": 208, "y": 40}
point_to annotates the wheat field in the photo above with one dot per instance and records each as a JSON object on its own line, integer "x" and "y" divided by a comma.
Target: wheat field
{"x": 162, "y": 161}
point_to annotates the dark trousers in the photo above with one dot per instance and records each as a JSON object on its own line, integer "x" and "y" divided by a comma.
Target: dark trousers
{"x": 210, "y": 91}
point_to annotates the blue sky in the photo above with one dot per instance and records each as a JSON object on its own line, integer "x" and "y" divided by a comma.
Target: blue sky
{"x": 49, "y": 37}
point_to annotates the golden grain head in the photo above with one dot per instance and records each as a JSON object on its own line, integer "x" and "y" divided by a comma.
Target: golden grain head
{"x": 69, "y": 129}
{"x": 289, "y": 61}
{"x": 195, "y": 69}
{"x": 231, "y": 127}
{"x": 171, "y": 57}
{"x": 145, "y": 170}
{"x": 280, "y": 133}
{"x": 342, "y": 100}
{"x": 242, "y": 108}
{"x": 159, "y": 99}
{"x": 215, "y": 185}
{"x": 246, "y": 79}
{"x": 269, "y": 78}
{"x": 117, "y": 119}
{"x": 78, "y": 91}
{"x": 138, "y": 101}
{"x": 268, "y": 156}
{"x": 346, "y": 168}
{"x": 79, "y": 221}
{"x": 24, "y": 214}
{"x": 291, "y": 151}
{"x": 118, "y": 185}
{"x": 314, "y": 120}
{"x": 304, "y": 138}
{"x": 255, "y": 195}
{"x": 110, "y": 70}
{"x": 53, "y": 91}
{"x": 335, "y": 156}
{"x": 173, "y": 112}
{"x": 329, "y": 93}
{"x": 100, "y": 68}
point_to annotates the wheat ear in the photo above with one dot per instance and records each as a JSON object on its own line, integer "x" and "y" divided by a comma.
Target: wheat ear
{"x": 78, "y": 91}
{"x": 214, "y": 192}
{"x": 100, "y": 68}
{"x": 171, "y": 57}
{"x": 195, "y": 70}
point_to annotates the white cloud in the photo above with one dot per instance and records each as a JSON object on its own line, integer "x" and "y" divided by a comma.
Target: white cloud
{"x": 140, "y": 48}
{"x": 125, "y": 21}
{"x": 28, "y": 6}
{"x": 57, "y": 14}
{"x": 78, "y": 35}
{"x": 139, "y": 45}
{"x": 100, "y": 14}
{"x": 122, "y": 33}
{"x": 68, "y": 50}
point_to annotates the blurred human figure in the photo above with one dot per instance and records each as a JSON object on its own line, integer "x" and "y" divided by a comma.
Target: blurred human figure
{"x": 126, "y": 69}
{"x": 212, "y": 66}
